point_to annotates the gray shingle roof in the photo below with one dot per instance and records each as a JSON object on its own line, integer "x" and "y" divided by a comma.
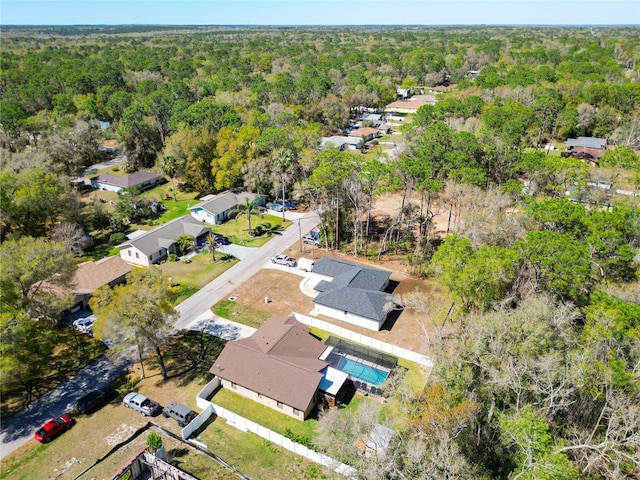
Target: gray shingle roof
{"x": 165, "y": 235}
{"x": 364, "y": 303}
{"x": 225, "y": 201}
{"x": 354, "y": 288}
{"x": 132, "y": 180}
{"x": 588, "y": 142}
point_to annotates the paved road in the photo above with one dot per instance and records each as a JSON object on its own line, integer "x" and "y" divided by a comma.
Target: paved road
{"x": 224, "y": 285}
{"x": 19, "y": 428}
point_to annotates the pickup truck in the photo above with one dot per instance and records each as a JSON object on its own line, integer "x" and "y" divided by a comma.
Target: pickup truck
{"x": 142, "y": 404}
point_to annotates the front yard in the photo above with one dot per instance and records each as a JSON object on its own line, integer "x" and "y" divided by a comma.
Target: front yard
{"x": 191, "y": 277}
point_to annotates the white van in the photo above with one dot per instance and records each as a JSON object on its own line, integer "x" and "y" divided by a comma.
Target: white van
{"x": 305, "y": 264}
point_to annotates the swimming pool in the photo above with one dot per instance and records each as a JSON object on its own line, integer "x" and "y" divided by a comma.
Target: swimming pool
{"x": 366, "y": 373}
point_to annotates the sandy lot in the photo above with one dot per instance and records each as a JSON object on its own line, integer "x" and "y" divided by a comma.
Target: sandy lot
{"x": 286, "y": 296}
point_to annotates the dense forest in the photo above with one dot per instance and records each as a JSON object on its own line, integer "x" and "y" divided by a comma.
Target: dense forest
{"x": 538, "y": 370}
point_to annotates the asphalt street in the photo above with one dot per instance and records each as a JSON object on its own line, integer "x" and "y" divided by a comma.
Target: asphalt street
{"x": 19, "y": 428}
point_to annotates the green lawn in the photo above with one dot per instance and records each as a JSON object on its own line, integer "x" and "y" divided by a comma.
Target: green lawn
{"x": 240, "y": 313}
{"x": 254, "y": 456}
{"x": 265, "y": 416}
{"x": 190, "y": 277}
{"x": 238, "y": 229}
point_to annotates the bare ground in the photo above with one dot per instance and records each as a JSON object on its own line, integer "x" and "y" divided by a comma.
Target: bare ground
{"x": 286, "y": 296}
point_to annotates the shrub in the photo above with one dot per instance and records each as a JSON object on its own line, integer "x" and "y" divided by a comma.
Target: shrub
{"x": 154, "y": 441}
{"x": 172, "y": 257}
{"x": 116, "y": 238}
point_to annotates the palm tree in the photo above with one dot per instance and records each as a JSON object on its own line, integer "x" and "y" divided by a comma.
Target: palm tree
{"x": 184, "y": 243}
{"x": 282, "y": 158}
{"x": 249, "y": 208}
{"x": 170, "y": 167}
{"x": 213, "y": 244}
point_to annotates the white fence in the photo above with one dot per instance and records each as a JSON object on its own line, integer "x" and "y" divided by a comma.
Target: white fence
{"x": 246, "y": 425}
{"x": 364, "y": 340}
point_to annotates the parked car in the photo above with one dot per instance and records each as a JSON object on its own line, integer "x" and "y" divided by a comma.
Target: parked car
{"x": 85, "y": 325}
{"x": 283, "y": 260}
{"x": 142, "y": 404}
{"x": 310, "y": 240}
{"x": 275, "y": 206}
{"x": 53, "y": 428}
{"x": 95, "y": 400}
{"x": 221, "y": 239}
{"x": 180, "y": 413}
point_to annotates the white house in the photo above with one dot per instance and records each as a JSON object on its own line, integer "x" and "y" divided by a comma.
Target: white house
{"x": 341, "y": 142}
{"x": 152, "y": 246}
{"x": 214, "y": 209}
{"x": 352, "y": 293}
{"x": 138, "y": 180}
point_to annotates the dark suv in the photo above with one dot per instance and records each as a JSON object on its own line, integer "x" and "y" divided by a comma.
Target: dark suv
{"x": 179, "y": 412}
{"x": 95, "y": 400}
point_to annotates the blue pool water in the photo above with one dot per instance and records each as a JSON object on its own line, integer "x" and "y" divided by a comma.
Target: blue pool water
{"x": 365, "y": 373}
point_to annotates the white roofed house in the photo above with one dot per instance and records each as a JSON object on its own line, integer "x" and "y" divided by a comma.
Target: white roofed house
{"x": 214, "y": 209}
{"x": 342, "y": 143}
{"x": 153, "y": 246}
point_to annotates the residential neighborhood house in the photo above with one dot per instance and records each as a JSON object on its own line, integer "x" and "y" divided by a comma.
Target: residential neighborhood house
{"x": 341, "y": 143}
{"x": 214, "y": 209}
{"x": 89, "y": 276}
{"x": 279, "y": 366}
{"x": 352, "y": 293}
{"x": 365, "y": 133}
{"x": 588, "y": 148}
{"x": 410, "y": 105}
{"x": 137, "y": 180}
{"x": 147, "y": 247}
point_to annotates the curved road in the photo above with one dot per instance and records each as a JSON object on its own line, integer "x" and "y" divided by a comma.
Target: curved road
{"x": 19, "y": 428}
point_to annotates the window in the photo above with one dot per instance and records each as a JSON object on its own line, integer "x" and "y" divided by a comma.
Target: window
{"x": 137, "y": 256}
{"x": 233, "y": 385}
{"x": 259, "y": 395}
{"x": 279, "y": 404}
{"x": 129, "y": 252}
{"x": 296, "y": 411}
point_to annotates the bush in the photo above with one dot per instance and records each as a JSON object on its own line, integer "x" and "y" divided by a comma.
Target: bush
{"x": 116, "y": 238}
{"x": 172, "y": 257}
{"x": 154, "y": 441}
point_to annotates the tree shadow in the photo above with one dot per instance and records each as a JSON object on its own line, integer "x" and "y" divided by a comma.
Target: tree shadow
{"x": 189, "y": 354}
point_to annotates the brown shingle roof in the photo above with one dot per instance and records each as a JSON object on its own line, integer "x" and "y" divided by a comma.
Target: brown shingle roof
{"x": 280, "y": 361}
{"x": 364, "y": 131}
{"x": 90, "y": 276}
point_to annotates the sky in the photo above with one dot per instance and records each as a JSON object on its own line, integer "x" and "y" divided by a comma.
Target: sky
{"x": 320, "y": 12}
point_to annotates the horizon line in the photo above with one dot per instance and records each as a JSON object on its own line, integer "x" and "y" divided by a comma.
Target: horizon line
{"x": 254, "y": 25}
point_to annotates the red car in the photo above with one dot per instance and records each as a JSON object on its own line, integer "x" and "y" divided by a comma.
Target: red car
{"x": 53, "y": 428}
